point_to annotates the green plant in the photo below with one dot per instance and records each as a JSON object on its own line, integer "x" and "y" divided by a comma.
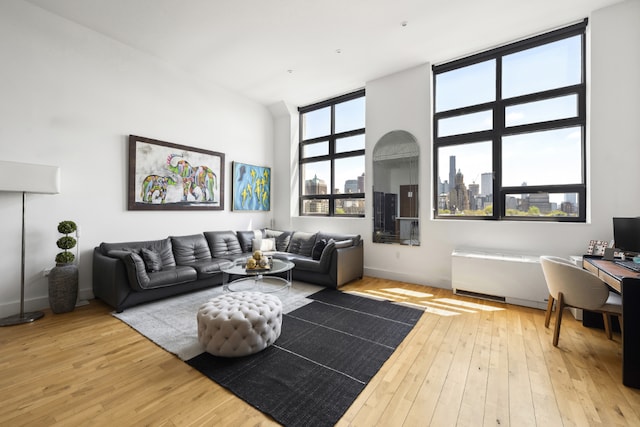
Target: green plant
{"x": 67, "y": 242}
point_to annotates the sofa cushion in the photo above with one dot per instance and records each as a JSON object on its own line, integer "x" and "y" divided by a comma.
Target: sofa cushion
{"x": 245, "y": 238}
{"x": 223, "y": 243}
{"x": 171, "y": 276}
{"x": 283, "y": 238}
{"x": 302, "y": 243}
{"x": 209, "y": 267}
{"x": 151, "y": 259}
{"x": 308, "y": 264}
{"x": 162, "y": 247}
{"x": 318, "y": 248}
{"x": 140, "y": 279}
{"x": 188, "y": 249}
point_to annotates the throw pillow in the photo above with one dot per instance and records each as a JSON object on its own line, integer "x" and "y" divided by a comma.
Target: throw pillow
{"x": 282, "y": 241}
{"x": 268, "y": 244}
{"x": 151, "y": 260}
{"x": 302, "y": 243}
{"x": 264, "y": 245}
{"x": 318, "y": 248}
{"x": 246, "y": 239}
{"x": 325, "y": 257}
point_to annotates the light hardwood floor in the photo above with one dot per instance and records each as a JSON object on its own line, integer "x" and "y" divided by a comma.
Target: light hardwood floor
{"x": 468, "y": 362}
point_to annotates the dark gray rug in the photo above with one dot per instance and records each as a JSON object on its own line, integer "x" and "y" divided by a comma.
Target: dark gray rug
{"x": 326, "y": 354}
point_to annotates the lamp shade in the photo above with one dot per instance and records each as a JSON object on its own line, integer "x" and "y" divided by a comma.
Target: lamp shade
{"x": 29, "y": 178}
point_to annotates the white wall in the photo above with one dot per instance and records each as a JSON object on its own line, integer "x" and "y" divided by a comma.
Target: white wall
{"x": 402, "y": 101}
{"x": 70, "y": 97}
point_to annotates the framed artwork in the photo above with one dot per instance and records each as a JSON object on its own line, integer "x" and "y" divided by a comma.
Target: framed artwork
{"x": 597, "y": 247}
{"x": 166, "y": 176}
{"x": 251, "y": 187}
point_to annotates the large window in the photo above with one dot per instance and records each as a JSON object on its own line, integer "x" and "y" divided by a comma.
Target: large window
{"x": 332, "y": 156}
{"x": 509, "y": 131}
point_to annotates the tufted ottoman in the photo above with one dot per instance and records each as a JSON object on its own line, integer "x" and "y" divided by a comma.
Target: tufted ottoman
{"x": 240, "y": 323}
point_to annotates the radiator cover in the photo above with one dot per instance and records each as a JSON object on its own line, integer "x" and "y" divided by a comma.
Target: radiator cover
{"x": 512, "y": 278}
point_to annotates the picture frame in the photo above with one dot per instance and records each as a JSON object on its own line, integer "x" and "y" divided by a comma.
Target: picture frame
{"x": 597, "y": 247}
{"x": 167, "y": 176}
{"x": 251, "y": 189}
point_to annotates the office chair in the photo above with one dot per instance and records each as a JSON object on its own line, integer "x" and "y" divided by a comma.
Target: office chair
{"x": 571, "y": 286}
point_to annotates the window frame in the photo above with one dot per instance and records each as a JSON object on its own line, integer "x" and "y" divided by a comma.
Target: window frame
{"x": 500, "y": 130}
{"x": 332, "y": 156}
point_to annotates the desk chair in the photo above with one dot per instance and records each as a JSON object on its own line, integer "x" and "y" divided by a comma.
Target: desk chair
{"x": 571, "y": 286}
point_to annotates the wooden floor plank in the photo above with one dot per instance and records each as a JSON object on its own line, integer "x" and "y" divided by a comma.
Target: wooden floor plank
{"x": 472, "y": 406}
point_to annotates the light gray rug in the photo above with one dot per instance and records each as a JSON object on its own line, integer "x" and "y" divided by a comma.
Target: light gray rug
{"x": 171, "y": 322}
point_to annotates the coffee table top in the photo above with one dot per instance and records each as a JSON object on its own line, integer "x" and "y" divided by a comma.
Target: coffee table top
{"x": 238, "y": 268}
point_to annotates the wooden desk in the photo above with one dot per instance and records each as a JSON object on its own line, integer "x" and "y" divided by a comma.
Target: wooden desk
{"x": 627, "y": 283}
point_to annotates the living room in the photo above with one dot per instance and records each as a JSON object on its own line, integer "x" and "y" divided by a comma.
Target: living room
{"x": 71, "y": 96}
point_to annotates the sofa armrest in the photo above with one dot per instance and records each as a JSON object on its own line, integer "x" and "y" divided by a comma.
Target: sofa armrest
{"x": 347, "y": 264}
{"x": 110, "y": 281}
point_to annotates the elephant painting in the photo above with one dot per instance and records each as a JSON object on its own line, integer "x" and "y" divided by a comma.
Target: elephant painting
{"x": 154, "y": 187}
{"x": 198, "y": 181}
{"x": 166, "y": 176}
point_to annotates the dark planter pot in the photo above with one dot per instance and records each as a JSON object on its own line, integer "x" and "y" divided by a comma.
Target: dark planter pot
{"x": 63, "y": 288}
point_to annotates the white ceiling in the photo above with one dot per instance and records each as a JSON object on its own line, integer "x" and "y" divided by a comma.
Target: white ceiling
{"x": 303, "y": 51}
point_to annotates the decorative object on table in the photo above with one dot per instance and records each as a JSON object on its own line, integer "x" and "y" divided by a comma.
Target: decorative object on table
{"x": 251, "y": 187}
{"x": 63, "y": 278}
{"x": 258, "y": 262}
{"x": 41, "y": 179}
{"x": 170, "y": 176}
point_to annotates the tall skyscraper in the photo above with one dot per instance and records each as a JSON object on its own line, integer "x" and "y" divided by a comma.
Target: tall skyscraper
{"x": 452, "y": 172}
{"x": 315, "y": 186}
{"x": 351, "y": 186}
{"x": 361, "y": 183}
{"x": 486, "y": 184}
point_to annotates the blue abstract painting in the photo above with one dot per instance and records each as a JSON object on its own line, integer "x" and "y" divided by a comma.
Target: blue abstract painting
{"x": 251, "y": 187}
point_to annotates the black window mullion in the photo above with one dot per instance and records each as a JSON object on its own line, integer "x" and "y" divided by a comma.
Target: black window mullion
{"x": 499, "y": 207}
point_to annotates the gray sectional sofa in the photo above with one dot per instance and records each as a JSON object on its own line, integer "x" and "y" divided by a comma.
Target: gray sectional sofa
{"x": 130, "y": 273}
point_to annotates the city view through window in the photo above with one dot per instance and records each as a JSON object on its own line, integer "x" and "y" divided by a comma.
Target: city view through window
{"x": 509, "y": 130}
{"x": 332, "y": 161}
{"x": 475, "y": 197}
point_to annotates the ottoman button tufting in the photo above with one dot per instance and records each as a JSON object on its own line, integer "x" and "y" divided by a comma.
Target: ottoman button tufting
{"x": 240, "y": 323}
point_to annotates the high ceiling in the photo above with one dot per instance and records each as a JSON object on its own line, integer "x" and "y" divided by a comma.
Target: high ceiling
{"x": 303, "y": 51}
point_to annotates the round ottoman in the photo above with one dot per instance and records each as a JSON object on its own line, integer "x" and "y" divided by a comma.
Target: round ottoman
{"x": 240, "y": 323}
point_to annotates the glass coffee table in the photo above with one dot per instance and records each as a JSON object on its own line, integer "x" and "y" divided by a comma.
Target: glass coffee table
{"x": 263, "y": 280}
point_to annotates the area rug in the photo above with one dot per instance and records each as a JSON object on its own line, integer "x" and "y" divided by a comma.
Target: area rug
{"x": 327, "y": 352}
{"x": 171, "y": 322}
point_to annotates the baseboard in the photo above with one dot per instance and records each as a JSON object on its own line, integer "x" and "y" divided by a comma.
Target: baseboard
{"x": 40, "y": 303}
{"x": 402, "y": 277}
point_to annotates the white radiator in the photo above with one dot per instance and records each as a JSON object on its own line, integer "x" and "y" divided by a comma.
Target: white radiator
{"x": 512, "y": 278}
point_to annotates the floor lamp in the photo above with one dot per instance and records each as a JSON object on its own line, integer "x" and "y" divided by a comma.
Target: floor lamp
{"x": 27, "y": 178}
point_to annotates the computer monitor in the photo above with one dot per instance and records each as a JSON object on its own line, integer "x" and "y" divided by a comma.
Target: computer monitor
{"x": 626, "y": 234}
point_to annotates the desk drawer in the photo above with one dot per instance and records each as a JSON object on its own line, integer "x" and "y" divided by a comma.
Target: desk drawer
{"x": 606, "y": 278}
{"x": 592, "y": 268}
{"x": 611, "y": 281}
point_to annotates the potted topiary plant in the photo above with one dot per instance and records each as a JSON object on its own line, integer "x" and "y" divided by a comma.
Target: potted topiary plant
{"x": 63, "y": 278}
